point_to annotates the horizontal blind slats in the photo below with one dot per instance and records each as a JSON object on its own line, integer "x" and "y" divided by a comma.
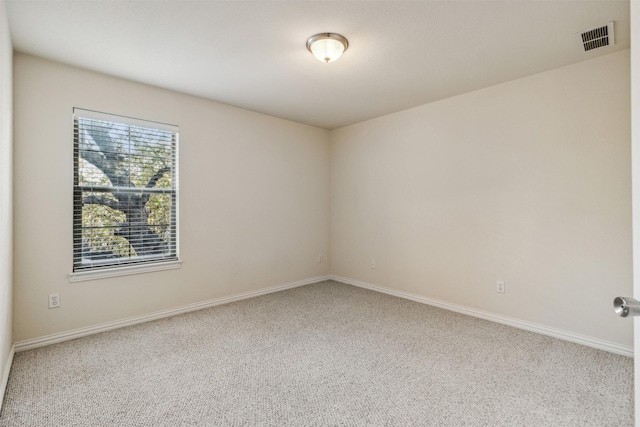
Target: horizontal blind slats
{"x": 128, "y": 190}
{"x": 116, "y": 224}
{"x": 97, "y": 115}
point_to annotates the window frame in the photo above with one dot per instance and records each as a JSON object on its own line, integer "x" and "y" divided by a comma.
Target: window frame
{"x": 137, "y": 264}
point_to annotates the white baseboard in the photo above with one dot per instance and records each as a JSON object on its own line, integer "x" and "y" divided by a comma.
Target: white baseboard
{"x": 510, "y": 321}
{"x": 5, "y": 374}
{"x": 90, "y": 330}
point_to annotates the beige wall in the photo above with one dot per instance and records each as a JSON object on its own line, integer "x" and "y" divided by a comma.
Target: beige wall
{"x": 6, "y": 214}
{"x": 527, "y": 182}
{"x": 254, "y": 200}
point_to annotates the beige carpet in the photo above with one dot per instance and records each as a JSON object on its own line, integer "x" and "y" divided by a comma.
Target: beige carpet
{"x": 327, "y": 354}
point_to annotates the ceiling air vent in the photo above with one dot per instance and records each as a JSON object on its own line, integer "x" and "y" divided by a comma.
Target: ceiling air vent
{"x": 596, "y": 37}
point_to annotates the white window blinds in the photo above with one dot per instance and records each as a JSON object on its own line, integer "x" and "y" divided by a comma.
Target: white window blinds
{"x": 125, "y": 192}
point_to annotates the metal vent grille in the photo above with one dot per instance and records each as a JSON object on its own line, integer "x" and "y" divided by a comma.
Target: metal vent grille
{"x": 596, "y": 37}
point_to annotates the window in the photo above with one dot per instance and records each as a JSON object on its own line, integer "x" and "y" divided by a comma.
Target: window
{"x": 125, "y": 193}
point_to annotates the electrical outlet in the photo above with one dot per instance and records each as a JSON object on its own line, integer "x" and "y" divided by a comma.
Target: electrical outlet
{"x": 320, "y": 258}
{"x": 500, "y": 287}
{"x": 54, "y": 300}
{"x": 373, "y": 264}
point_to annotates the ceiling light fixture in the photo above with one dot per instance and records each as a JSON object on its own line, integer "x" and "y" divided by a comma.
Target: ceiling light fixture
{"x": 327, "y": 47}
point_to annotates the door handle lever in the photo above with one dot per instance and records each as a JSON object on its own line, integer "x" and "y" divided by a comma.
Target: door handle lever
{"x": 624, "y": 306}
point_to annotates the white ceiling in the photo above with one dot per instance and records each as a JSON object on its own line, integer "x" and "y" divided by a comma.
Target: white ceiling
{"x": 252, "y": 54}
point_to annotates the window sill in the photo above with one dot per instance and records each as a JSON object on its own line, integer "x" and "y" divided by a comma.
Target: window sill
{"x": 123, "y": 271}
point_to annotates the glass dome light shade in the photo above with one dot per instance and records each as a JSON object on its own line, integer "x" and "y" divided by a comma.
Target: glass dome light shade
{"x": 327, "y": 47}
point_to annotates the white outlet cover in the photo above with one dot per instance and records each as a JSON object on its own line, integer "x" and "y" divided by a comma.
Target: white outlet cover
{"x": 54, "y": 300}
